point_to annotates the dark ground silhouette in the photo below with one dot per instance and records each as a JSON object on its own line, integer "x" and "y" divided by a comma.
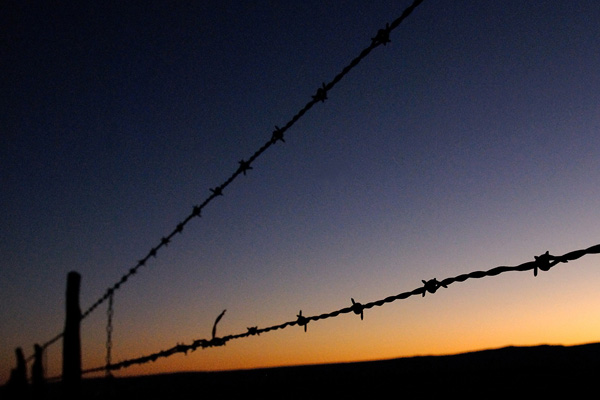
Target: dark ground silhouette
{"x": 511, "y": 371}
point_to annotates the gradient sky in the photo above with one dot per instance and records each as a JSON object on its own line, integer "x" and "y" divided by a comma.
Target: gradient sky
{"x": 469, "y": 141}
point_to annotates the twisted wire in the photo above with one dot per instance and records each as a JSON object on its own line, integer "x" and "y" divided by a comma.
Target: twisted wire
{"x": 543, "y": 262}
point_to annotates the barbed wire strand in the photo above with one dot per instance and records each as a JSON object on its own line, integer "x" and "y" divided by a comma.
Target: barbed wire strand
{"x": 381, "y": 38}
{"x": 543, "y": 262}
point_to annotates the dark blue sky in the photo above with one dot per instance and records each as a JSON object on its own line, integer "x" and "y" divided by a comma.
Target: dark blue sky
{"x": 469, "y": 141}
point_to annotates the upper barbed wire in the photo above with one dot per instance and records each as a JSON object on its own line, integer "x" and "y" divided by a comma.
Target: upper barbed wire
{"x": 381, "y": 38}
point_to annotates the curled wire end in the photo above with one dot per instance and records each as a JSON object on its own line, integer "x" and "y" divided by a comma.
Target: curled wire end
{"x": 383, "y": 36}
{"x": 214, "y": 330}
{"x": 244, "y": 166}
{"x": 302, "y": 320}
{"x": 357, "y": 308}
{"x": 542, "y": 262}
{"x": 431, "y": 286}
{"x": 321, "y": 94}
{"x": 277, "y": 135}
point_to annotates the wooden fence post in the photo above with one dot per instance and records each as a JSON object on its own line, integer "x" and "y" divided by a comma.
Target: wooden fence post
{"x": 37, "y": 372}
{"x": 17, "y": 384}
{"x": 71, "y": 372}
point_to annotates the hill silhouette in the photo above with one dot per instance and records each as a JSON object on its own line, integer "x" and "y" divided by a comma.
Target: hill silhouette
{"x": 515, "y": 371}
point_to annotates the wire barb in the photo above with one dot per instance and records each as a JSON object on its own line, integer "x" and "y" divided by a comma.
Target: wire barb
{"x": 217, "y": 191}
{"x": 321, "y": 94}
{"x": 357, "y": 308}
{"x": 196, "y": 211}
{"x": 542, "y": 262}
{"x": 277, "y": 135}
{"x": 244, "y": 166}
{"x": 431, "y": 286}
{"x": 302, "y": 320}
{"x": 382, "y": 37}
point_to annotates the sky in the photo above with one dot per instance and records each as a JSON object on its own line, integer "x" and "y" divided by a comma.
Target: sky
{"x": 468, "y": 142}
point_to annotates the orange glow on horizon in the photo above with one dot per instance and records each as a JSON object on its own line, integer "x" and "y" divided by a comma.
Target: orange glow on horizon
{"x": 558, "y": 308}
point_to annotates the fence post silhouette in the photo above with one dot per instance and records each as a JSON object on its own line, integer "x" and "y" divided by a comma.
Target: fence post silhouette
{"x": 71, "y": 372}
{"x": 37, "y": 372}
{"x": 17, "y": 384}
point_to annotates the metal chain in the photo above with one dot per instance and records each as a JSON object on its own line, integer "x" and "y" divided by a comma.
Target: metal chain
{"x": 109, "y": 330}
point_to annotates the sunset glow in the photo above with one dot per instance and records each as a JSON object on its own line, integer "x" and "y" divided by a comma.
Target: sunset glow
{"x": 469, "y": 141}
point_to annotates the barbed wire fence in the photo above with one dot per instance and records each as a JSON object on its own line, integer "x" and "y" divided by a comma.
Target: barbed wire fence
{"x": 381, "y": 38}
{"x": 543, "y": 262}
